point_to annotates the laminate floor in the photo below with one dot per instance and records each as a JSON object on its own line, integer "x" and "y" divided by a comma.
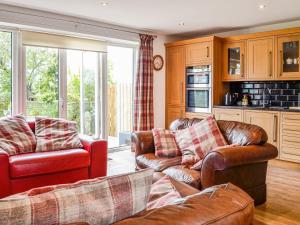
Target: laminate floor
{"x": 283, "y": 180}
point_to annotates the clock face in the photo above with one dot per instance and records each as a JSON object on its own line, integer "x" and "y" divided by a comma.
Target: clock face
{"x": 158, "y": 62}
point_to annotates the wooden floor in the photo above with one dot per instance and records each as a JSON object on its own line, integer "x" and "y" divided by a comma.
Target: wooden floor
{"x": 283, "y": 180}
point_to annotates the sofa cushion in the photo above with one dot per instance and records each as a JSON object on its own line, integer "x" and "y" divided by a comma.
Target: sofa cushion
{"x": 16, "y": 136}
{"x": 149, "y": 160}
{"x": 196, "y": 141}
{"x": 56, "y": 134}
{"x": 99, "y": 201}
{"x": 165, "y": 144}
{"x": 48, "y": 162}
{"x": 184, "y": 174}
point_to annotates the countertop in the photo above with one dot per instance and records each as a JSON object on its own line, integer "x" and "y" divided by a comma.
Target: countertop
{"x": 256, "y": 108}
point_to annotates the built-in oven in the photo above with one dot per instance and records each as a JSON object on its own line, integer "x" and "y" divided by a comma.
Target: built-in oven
{"x": 198, "y": 89}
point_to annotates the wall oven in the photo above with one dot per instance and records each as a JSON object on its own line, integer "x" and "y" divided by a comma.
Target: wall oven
{"x": 198, "y": 89}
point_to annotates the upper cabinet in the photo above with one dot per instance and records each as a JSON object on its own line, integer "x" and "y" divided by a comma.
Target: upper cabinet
{"x": 199, "y": 53}
{"x": 175, "y": 76}
{"x": 260, "y": 58}
{"x": 288, "y": 57}
{"x": 233, "y": 61}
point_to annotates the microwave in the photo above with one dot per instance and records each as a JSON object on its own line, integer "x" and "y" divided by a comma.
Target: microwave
{"x": 198, "y": 76}
{"x": 198, "y": 99}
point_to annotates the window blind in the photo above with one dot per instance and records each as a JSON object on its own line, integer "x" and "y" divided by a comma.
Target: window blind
{"x": 62, "y": 42}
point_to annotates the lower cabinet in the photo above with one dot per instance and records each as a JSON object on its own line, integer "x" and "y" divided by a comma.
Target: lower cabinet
{"x": 192, "y": 115}
{"x": 268, "y": 120}
{"x": 228, "y": 114}
{"x": 173, "y": 113}
{"x": 290, "y": 136}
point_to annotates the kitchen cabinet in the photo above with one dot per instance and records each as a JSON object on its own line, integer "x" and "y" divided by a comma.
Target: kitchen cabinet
{"x": 174, "y": 113}
{"x": 268, "y": 120}
{"x": 288, "y": 57}
{"x": 260, "y": 59}
{"x": 233, "y": 61}
{"x": 199, "y": 53}
{"x": 175, "y": 83}
{"x": 192, "y": 115}
{"x": 228, "y": 114}
{"x": 290, "y": 136}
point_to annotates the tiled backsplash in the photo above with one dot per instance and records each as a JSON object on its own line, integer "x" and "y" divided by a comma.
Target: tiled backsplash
{"x": 283, "y": 93}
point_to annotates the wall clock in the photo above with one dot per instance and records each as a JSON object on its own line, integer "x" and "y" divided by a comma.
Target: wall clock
{"x": 158, "y": 62}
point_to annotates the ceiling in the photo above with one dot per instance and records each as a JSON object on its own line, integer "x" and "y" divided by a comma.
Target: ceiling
{"x": 164, "y": 16}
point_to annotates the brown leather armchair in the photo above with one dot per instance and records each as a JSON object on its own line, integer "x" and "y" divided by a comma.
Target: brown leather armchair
{"x": 244, "y": 165}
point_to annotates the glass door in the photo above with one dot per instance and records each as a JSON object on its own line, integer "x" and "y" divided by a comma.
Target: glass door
{"x": 289, "y": 53}
{"x": 233, "y": 54}
{"x": 121, "y": 66}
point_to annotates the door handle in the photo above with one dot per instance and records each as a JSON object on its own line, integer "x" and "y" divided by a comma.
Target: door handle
{"x": 207, "y": 51}
{"x": 275, "y": 122}
{"x": 270, "y": 63}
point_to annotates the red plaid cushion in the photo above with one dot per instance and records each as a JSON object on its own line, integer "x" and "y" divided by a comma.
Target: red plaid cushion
{"x": 16, "y": 136}
{"x": 97, "y": 201}
{"x": 55, "y": 134}
{"x": 197, "y": 141}
{"x": 165, "y": 144}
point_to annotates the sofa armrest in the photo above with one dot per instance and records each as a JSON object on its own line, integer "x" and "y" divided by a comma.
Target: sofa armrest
{"x": 4, "y": 174}
{"x": 233, "y": 156}
{"x": 142, "y": 142}
{"x": 98, "y": 155}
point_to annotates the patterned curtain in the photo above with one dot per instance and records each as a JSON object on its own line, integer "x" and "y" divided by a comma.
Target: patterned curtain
{"x": 143, "y": 97}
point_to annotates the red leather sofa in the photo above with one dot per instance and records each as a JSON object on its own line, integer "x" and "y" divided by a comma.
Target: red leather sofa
{"x": 23, "y": 172}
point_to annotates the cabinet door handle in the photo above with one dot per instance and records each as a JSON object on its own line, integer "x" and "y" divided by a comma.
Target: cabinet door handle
{"x": 275, "y": 124}
{"x": 181, "y": 92}
{"x": 281, "y": 62}
{"x": 270, "y": 63}
{"x": 207, "y": 51}
{"x": 242, "y": 65}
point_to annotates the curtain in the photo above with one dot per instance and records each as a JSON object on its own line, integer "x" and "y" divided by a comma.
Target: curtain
{"x": 143, "y": 97}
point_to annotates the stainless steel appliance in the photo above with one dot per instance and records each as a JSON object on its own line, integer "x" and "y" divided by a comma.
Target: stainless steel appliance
{"x": 198, "y": 89}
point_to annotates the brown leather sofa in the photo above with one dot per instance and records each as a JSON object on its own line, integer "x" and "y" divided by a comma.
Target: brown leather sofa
{"x": 244, "y": 165}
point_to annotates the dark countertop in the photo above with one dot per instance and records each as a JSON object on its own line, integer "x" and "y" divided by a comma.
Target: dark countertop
{"x": 256, "y": 108}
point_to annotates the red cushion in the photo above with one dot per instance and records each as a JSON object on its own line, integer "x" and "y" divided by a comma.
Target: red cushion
{"x": 48, "y": 162}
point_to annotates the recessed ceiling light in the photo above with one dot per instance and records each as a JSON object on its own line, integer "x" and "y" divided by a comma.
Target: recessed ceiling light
{"x": 262, "y": 6}
{"x": 181, "y": 23}
{"x": 104, "y": 3}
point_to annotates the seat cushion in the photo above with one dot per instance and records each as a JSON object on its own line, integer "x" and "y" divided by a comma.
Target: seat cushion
{"x": 48, "y": 162}
{"x": 149, "y": 160}
{"x": 183, "y": 174}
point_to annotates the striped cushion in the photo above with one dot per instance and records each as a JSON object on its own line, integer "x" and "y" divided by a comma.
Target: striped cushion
{"x": 98, "y": 201}
{"x": 16, "y": 137}
{"x": 56, "y": 134}
{"x": 164, "y": 142}
{"x": 197, "y": 141}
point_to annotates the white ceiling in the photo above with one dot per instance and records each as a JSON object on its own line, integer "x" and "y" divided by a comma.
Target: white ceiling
{"x": 163, "y": 16}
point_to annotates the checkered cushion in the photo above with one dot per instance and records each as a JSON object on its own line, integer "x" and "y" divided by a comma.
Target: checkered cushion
{"x": 98, "y": 201}
{"x": 197, "y": 141}
{"x": 16, "y": 136}
{"x": 164, "y": 142}
{"x": 56, "y": 134}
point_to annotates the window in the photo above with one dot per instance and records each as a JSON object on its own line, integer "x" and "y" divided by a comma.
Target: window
{"x": 5, "y": 73}
{"x": 42, "y": 81}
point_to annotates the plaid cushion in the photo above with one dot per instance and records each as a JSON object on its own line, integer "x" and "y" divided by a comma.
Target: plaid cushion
{"x": 55, "y": 134}
{"x": 197, "y": 141}
{"x": 165, "y": 144}
{"x": 16, "y": 136}
{"x": 162, "y": 193}
{"x": 97, "y": 201}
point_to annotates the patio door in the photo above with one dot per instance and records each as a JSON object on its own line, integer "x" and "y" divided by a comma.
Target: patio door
{"x": 121, "y": 63}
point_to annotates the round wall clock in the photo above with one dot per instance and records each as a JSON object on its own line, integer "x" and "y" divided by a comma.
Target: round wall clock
{"x": 158, "y": 62}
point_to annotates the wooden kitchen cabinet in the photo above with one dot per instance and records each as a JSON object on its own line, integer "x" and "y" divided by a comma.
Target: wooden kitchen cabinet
{"x": 268, "y": 120}
{"x": 192, "y": 115}
{"x": 290, "y": 137}
{"x": 228, "y": 114}
{"x": 233, "y": 61}
{"x": 260, "y": 59}
{"x": 199, "y": 53}
{"x": 174, "y": 113}
{"x": 288, "y": 57}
